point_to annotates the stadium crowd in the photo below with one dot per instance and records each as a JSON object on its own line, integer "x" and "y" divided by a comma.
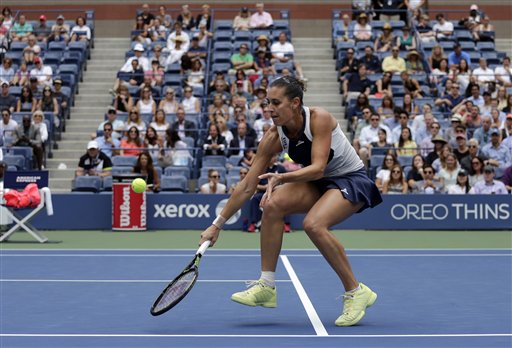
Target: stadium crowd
{"x": 425, "y": 100}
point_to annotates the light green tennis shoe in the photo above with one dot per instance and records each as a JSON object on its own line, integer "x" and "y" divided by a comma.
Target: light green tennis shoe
{"x": 258, "y": 294}
{"x": 354, "y": 306}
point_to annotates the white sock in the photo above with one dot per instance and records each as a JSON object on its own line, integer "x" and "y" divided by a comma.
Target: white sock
{"x": 354, "y": 290}
{"x": 268, "y": 278}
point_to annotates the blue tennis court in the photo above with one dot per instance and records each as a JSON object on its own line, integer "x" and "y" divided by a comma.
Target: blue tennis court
{"x": 84, "y": 298}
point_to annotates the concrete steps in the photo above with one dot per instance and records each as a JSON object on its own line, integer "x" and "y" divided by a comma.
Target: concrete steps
{"x": 88, "y": 112}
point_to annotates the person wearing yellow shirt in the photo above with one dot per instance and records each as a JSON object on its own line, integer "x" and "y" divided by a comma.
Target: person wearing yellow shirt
{"x": 394, "y": 63}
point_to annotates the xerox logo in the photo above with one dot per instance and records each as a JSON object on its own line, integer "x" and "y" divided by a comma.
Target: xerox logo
{"x": 234, "y": 218}
{"x": 181, "y": 210}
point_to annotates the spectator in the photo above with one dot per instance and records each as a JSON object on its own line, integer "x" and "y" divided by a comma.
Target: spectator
{"x": 361, "y": 6}
{"x": 81, "y": 32}
{"x": 439, "y": 144}
{"x": 241, "y": 141}
{"x": 133, "y": 77}
{"x": 476, "y": 98}
{"x": 430, "y": 184}
{"x": 416, "y": 172}
{"x": 38, "y": 122}
{"x": 177, "y": 51}
{"x": 261, "y": 19}
{"x": 134, "y": 119}
{"x": 381, "y": 146}
{"x": 263, "y": 46}
{"x": 503, "y": 73}
{"x": 349, "y": 64}
{"x": 396, "y": 183}
{"x": 174, "y": 152}
{"x": 355, "y": 112}
{"x": 383, "y": 86}
{"x": 457, "y": 55}
{"x": 462, "y": 149}
{"x": 461, "y": 186}
{"x": 6, "y": 71}
{"x": 407, "y": 41}
{"x": 425, "y": 30}
{"x": 242, "y": 20}
{"x": 411, "y": 86}
{"x": 159, "y": 123}
{"x": 157, "y": 32}
{"x": 283, "y": 51}
{"x": 213, "y": 185}
{"x": 42, "y": 72}
{"x": 190, "y": 103}
{"x": 488, "y": 185}
{"x": 21, "y": 29}
{"x": 169, "y": 103}
{"x": 484, "y": 31}
{"x": 345, "y": 29}
{"x": 48, "y": 102}
{"x": 165, "y": 18}
{"x": 242, "y": 60}
{"x": 61, "y": 28}
{"x": 8, "y": 126}
{"x": 62, "y": 98}
{"x": 260, "y": 99}
{"x": 450, "y": 101}
{"x": 370, "y": 134}
{"x": 143, "y": 61}
{"x": 144, "y": 166}
{"x": 203, "y": 34}
{"x": 28, "y": 135}
{"x": 157, "y": 55}
{"x": 498, "y": 154}
{"x": 8, "y": 18}
{"x": 403, "y": 122}
{"x": 449, "y": 170}
{"x": 21, "y": 77}
{"x": 185, "y": 18}
{"x": 217, "y": 106}
{"x": 507, "y": 178}
{"x": 362, "y": 30}
{"x": 132, "y": 144}
{"x": 483, "y": 134}
{"x": 261, "y": 122}
{"x": 146, "y": 103}
{"x": 123, "y": 101}
{"x": 147, "y": 16}
{"x": 196, "y": 76}
{"x": 405, "y": 145}
{"x": 26, "y": 102}
{"x": 386, "y": 109}
{"x": 153, "y": 142}
{"x": 205, "y": 17}
{"x": 243, "y": 172}
{"x": 140, "y": 29}
{"x": 476, "y": 170}
{"x": 108, "y": 143}
{"x": 42, "y": 31}
{"x": 423, "y": 128}
{"x": 94, "y": 162}
{"x": 391, "y": 10}
{"x": 394, "y": 63}
{"x": 436, "y": 57}
{"x": 371, "y": 61}
{"x": 483, "y": 74}
{"x": 386, "y": 41}
{"x": 384, "y": 172}
{"x": 184, "y": 127}
{"x": 356, "y": 84}
{"x": 221, "y": 122}
{"x": 474, "y": 19}
{"x": 414, "y": 64}
{"x": 409, "y": 105}
{"x": 443, "y": 28}
{"x": 214, "y": 144}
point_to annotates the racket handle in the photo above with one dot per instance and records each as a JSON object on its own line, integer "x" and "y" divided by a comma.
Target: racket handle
{"x": 203, "y": 247}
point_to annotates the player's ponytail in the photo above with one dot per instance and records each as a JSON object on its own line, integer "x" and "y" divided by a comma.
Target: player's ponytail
{"x": 293, "y": 87}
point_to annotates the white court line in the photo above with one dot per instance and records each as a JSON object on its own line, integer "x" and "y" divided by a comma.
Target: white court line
{"x": 310, "y": 310}
{"x": 124, "y": 281}
{"x": 255, "y": 255}
{"x": 258, "y": 336}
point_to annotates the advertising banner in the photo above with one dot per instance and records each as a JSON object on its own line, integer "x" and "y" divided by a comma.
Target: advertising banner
{"x": 128, "y": 208}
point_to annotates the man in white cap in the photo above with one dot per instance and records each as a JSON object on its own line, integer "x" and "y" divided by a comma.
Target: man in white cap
{"x": 138, "y": 51}
{"x": 94, "y": 162}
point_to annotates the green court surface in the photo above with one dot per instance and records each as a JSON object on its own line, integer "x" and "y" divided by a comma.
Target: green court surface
{"x": 358, "y": 239}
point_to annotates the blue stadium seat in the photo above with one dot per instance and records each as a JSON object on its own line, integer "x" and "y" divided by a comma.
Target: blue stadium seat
{"x": 397, "y": 24}
{"x": 124, "y": 160}
{"x": 173, "y": 80}
{"x": 16, "y": 160}
{"x": 18, "y": 46}
{"x": 117, "y": 170}
{"x": 174, "y": 68}
{"x": 281, "y": 25}
{"x": 177, "y": 170}
{"x": 234, "y": 160}
{"x": 214, "y": 161}
{"x": 405, "y": 160}
{"x": 467, "y": 46}
{"x": 174, "y": 183}
{"x": 223, "y": 67}
{"x": 57, "y": 46}
{"x": 222, "y": 35}
{"x": 223, "y": 24}
{"x": 221, "y": 57}
{"x": 106, "y": 183}
{"x": 485, "y": 46}
{"x": 222, "y": 46}
{"x": 87, "y": 184}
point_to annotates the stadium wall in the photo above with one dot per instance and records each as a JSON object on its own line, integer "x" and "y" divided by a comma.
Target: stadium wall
{"x": 83, "y": 211}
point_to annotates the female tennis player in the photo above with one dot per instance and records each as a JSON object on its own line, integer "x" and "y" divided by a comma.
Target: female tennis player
{"x": 331, "y": 186}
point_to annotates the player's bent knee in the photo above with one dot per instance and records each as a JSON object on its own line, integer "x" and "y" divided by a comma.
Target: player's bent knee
{"x": 276, "y": 207}
{"x": 313, "y": 226}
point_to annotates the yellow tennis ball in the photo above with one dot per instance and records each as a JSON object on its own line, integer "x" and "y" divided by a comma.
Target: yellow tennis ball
{"x": 139, "y": 185}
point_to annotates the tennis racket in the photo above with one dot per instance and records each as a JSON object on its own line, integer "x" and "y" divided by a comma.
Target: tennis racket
{"x": 181, "y": 285}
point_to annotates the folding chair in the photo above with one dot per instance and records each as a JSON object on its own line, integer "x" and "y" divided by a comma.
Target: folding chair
{"x": 18, "y": 180}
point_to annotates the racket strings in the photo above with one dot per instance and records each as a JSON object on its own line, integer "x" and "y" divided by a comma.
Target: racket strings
{"x": 174, "y": 292}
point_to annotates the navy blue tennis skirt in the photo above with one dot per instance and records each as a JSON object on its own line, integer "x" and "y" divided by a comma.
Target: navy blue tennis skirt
{"x": 356, "y": 187}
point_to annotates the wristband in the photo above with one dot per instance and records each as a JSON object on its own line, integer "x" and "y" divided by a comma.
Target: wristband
{"x": 219, "y": 222}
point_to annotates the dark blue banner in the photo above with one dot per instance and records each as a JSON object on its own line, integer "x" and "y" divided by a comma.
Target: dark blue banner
{"x": 196, "y": 211}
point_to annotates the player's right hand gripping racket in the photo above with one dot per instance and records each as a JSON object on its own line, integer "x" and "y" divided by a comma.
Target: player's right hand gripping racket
{"x": 181, "y": 285}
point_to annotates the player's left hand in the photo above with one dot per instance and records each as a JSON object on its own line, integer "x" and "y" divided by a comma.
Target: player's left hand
{"x": 274, "y": 179}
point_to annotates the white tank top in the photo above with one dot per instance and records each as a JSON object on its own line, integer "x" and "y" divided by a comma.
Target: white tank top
{"x": 343, "y": 159}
